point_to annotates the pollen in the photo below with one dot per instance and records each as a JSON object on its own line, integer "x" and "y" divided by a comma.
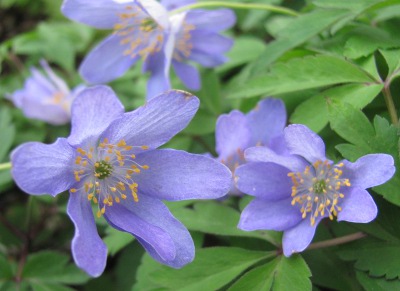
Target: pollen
{"x": 317, "y": 190}
{"x": 107, "y": 173}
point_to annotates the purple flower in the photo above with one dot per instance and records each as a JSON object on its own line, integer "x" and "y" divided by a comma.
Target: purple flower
{"x": 293, "y": 193}
{"x": 45, "y": 97}
{"x": 110, "y": 160}
{"x": 146, "y": 30}
{"x": 236, "y": 132}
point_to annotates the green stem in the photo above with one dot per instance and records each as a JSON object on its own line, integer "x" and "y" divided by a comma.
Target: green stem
{"x": 5, "y": 166}
{"x": 258, "y": 6}
{"x": 337, "y": 241}
{"x": 390, "y": 104}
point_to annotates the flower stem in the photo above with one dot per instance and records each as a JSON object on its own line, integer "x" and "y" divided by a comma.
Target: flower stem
{"x": 5, "y": 166}
{"x": 390, "y": 104}
{"x": 266, "y": 7}
{"x": 336, "y": 241}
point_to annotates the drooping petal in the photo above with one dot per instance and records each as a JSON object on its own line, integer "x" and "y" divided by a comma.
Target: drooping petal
{"x": 265, "y": 154}
{"x": 173, "y": 4}
{"x": 92, "y": 112}
{"x": 107, "y": 61}
{"x": 103, "y": 14}
{"x": 232, "y": 133}
{"x": 188, "y": 74}
{"x": 58, "y": 82}
{"x": 178, "y": 175}
{"x": 43, "y": 169}
{"x": 267, "y": 120}
{"x": 210, "y": 43}
{"x": 265, "y": 180}
{"x": 211, "y": 20}
{"x": 271, "y": 215}
{"x": 357, "y": 206}
{"x": 150, "y": 221}
{"x": 158, "y": 82}
{"x": 88, "y": 250}
{"x": 207, "y": 60}
{"x": 298, "y": 238}
{"x": 156, "y": 122}
{"x": 370, "y": 170}
{"x": 304, "y": 142}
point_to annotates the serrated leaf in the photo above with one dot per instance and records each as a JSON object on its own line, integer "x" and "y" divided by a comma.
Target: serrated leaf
{"x": 276, "y": 275}
{"x": 377, "y": 258}
{"x": 301, "y": 74}
{"x": 314, "y": 111}
{"x": 216, "y": 218}
{"x": 376, "y": 284}
{"x": 212, "y": 269}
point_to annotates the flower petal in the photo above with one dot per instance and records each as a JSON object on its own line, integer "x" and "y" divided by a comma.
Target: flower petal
{"x": 265, "y": 154}
{"x": 158, "y": 66}
{"x": 173, "y": 4}
{"x": 210, "y": 43}
{"x": 156, "y": 122}
{"x": 265, "y": 180}
{"x": 298, "y": 238}
{"x": 232, "y": 133}
{"x": 211, "y": 20}
{"x": 357, "y": 206}
{"x": 92, "y": 112}
{"x": 156, "y": 11}
{"x": 188, "y": 74}
{"x": 150, "y": 221}
{"x": 370, "y": 170}
{"x": 39, "y": 168}
{"x": 103, "y": 14}
{"x": 304, "y": 142}
{"x": 107, "y": 61}
{"x": 271, "y": 215}
{"x": 267, "y": 120}
{"x": 88, "y": 250}
{"x": 178, "y": 175}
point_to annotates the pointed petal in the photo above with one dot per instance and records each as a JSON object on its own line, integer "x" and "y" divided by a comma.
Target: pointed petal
{"x": 156, "y": 122}
{"x": 304, "y": 142}
{"x": 103, "y": 14}
{"x": 370, "y": 170}
{"x": 211, "y": 20}
{"x": 88, "y": 250}
{"x": 265, "y": 154}
{"x": 43, "y": 169}
{"x": 232, "y": 133}
{"x": 57, "y": 81}
{"x": 357, "y": 206}
{"x": 267, "y": 120}
{"x": 265, "y": 180}
{"x": 150, "y": 221}
{"x": 92, "y": 112}
{"x": 270, "y": 215}
{"x": 107, "y": 61}
{"x": 297, "y": 239}
{"x": 178, "y": 175}
{"x": 188, "y": 74}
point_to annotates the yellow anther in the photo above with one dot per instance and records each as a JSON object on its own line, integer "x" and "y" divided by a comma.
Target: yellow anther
{"x": 144, "y": 147}
{"x": 146, "y": 167}
{"x": 103, "y": 210}
{"x": 123, "y": 196}
{"x": 96, "y": 165}
{"x": 128, "y": 148}
{"x": 133, "y": 156}
{"x": 98, "y": 213}
{"x": 95, "y": 201}
{"x": 135, "y": 197}
{"x": 117, "y": 200}
{"x": 121, "y": 143}
{"x": 73, "y": 190}
{"x": 90, "y": 196}
{"x": 107, "y": 158}
{"x": 113, "y": 189}
{"x": 105, "y": 140}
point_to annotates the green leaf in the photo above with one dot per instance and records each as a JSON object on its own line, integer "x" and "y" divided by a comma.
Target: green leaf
{"x": 295, "y": 33}
{"x": 7, "y": 130}
{"x": 202, "y": 123}
{"x": 367, "y": 139}
{"x": 377, "y": 258}
{"x": 212, "y": 269}
{"x": 210, "y": 93}
{"x": 392, "y": 58}
{"x": 116, "y": 240}
{"x": 314, "y": 111}
{"x": 355, "y": 5}
{"x": 376, "y": 284}
{"x": 6, "y": 269}
{"x": 301, "y": 74}
{"x": 277, "y": 275}
{"x": 144, "y": 280}
{"x": 50, "y": 267}
{"x": 216, "y": 218}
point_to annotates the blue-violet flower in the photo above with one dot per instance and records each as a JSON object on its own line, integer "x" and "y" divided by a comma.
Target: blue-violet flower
{"x": 149, "y": 30}
{"x": 235, "y": 132}
{"x": 45, "y": 97}
{"x": 294, "y": 192}
{"x": 110, "y": 159}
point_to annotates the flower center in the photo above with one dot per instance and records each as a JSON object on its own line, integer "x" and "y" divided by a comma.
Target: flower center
{"x": 183, "y": 45}
{"x": 107, "y": 174}
{"x": 140, "y": 34}
{"x": 317, "y": 189}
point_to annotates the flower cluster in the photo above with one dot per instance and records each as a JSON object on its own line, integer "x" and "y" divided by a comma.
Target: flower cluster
{"x": 295, "y": 190}
{"x": 151, "y": 31}
{"x": 110, "y": 159}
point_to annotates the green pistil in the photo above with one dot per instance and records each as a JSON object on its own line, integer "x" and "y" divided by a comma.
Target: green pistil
{"x": 103, "y": 170}
{"x": 319, "y": 187}
{"x": 148, "y": 24}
